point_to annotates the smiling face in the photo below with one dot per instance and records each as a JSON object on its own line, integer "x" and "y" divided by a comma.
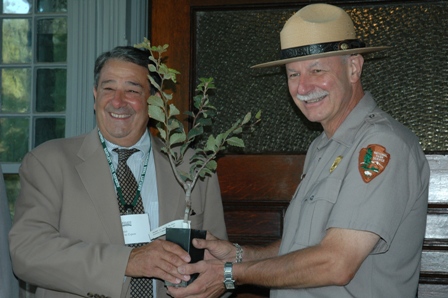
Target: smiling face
{"x": 326, "y": 90}
{"x": 120, "y": 102}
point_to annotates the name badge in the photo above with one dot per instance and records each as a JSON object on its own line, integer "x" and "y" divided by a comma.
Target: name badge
{"x": 136, "y": 228}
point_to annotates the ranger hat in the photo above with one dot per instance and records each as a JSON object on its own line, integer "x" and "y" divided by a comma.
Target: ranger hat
{"x": 317, "y": 31}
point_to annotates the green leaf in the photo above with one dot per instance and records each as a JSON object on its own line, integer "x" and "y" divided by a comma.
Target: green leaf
{"x": 153, "y": 59}
{"x": 170, "y": 76}
{"x": 238, "y": 130}
{"x": 212, "y": 112}
{"x": 199, "y": 163}
{"x": 196, "y": 157}
{"x": 195, "y": 131}
{"x": 163, "y": 70}
{"x": 197, "y": 101}
{"x": 210, "y": 145}
{"x": 174, "y": 124}
{"x": 205, "y": 172}
{"x": 207, "y": 82}
{"x": 258, "y": 115}
{"x": 167, "y": 96}
{"x": 162, "y": 133}
{"x": 183, "y": 149}
{"x": 247, "y": 118}
{"x": 212, "y": 165}
{"x": 177, "y": 138}
{"x": 185, "y": 176}
{"x": 211, "y": 85}
{"x": 235, "y": 141}
{"x": 205, "y": 121}
{"x": 173, "y": 71}
{"x": 218, "y": 140}
{"x": 189, "y": 113}
{"x": 152, "y": 68}
{"x": 156, "y": 113}
{"x": 175, "y": 156}
{"x": 230, "y": 130}
{"x": 173, "y": 111}
{"x": 154, "y": 83}
{"x": 156, "y": 101}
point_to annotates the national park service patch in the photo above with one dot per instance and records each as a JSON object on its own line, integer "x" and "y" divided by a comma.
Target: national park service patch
{"x": 372, "y": 161}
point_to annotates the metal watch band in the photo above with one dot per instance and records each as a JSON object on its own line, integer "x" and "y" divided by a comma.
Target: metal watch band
{"x": 239, "y": 253}
{"x": 229, "y": 282}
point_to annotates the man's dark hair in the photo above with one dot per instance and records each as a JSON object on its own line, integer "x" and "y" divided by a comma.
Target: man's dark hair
{"x": 128, "y": 54}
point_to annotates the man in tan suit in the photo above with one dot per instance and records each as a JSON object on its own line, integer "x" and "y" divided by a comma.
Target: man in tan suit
{"x": 67, "y": 235}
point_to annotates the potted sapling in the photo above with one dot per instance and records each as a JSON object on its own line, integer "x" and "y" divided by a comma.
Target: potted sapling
{"x": 176, "y": 140}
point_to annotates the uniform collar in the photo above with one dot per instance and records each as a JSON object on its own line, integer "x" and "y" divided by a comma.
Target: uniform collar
{"x": 347, "y": 130}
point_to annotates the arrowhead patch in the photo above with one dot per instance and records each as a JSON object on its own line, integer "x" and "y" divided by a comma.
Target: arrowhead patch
{"x": 372, "y": 161}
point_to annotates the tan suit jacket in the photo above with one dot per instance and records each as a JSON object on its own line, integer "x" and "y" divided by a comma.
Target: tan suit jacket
{"x": 67, "y": 237}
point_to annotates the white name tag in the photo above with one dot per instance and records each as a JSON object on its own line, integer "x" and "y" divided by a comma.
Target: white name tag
{"x": 160, "y": 231}
{"x": 135, "y": 228}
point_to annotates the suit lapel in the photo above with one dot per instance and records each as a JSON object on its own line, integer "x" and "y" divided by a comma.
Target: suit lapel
{"x": 95, "y": 174}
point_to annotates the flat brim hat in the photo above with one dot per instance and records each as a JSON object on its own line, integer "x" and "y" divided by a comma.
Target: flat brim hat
{"x": 317, "y": 31}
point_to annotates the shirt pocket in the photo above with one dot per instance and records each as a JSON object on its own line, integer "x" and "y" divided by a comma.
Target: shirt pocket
{"x": 315, "y": 212}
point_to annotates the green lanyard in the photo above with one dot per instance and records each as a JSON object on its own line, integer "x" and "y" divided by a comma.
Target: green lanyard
{"x": 129, "y": 208}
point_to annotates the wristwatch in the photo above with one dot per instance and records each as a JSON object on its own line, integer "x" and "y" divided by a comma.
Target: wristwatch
{"x": 229, "y": 282}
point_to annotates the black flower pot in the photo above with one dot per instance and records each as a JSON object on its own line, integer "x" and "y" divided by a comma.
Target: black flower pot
{"x": 183, "y": 238}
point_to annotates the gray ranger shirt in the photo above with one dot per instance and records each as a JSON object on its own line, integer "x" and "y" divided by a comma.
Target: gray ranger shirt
{"x": 392, "y": 205}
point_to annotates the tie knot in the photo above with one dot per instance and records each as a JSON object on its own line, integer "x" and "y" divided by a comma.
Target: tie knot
{"x": 123, "y": 154}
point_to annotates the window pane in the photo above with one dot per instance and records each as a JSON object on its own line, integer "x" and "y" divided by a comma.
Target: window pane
{"x": 49, "y": 128}
{"x": 51, "y": 90}
{"x": 51, "y": 5}
{"x": 16, "y": 41}
{"x": 17, "y": 6}
{"x": 14, "y": 134}
{"x": 52, "y": 40}
{"x": 15, "y": 90}
{"x": 12, "y": 184}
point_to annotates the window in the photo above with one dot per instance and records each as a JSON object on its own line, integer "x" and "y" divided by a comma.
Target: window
{"x": 46, "y": 69}
{"x": 33, "y": 79}
{"x": 47, "y": 53}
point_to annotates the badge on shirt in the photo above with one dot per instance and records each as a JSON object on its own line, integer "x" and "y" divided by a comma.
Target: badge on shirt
{"x": 135, "y": 228}
{"x": 335, "y": 164}
{"x": 372, "y": 161}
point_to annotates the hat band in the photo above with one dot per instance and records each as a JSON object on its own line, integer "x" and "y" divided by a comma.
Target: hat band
{"x": 322, "y": 48}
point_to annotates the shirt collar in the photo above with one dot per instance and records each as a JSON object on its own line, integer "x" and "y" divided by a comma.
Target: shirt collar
{"x": 347, "y": 130}
{"x": 143, "y": 144}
